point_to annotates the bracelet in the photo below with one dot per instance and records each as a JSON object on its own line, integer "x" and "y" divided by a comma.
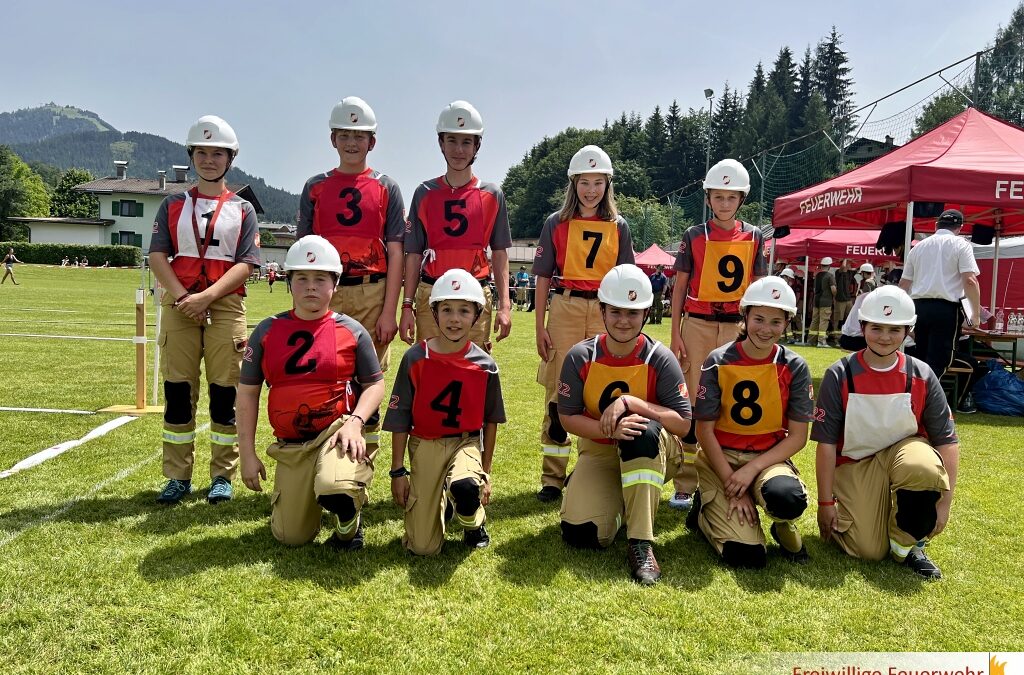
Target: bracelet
{"x": 625, "y": 412}
{"x": 399, "y": 472}
{"x": 179, "y": 300}
{"x": 831, "y": 502}
{"x": 361, "y": 420}
{"x": 407, "y": 303}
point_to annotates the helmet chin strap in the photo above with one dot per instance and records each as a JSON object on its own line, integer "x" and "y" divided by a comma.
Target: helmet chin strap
{"x": 647, "y": 313}
{"x": 218, "y": 178}
{"x": 884, "y": 356}
{"x": 433, "y": 310}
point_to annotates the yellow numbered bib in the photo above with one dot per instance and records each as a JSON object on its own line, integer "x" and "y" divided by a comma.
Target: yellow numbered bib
{"x": 726, "y": 271}
{"x": 606, "y": 383}
{"x": 751, "y": 400}
{"x": 591, "y": 249}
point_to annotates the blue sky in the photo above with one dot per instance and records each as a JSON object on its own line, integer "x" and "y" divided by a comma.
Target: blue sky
{"x": 532, "y": 68}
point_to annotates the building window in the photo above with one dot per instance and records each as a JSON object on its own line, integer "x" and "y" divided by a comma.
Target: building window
{"x": 126, "y": 238}
{"x": 126, "y": 208}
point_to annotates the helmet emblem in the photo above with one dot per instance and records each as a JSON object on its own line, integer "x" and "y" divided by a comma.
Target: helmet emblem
{"x": 354, "y": 117}
{"x": 726, "y": 180}
{"x": 310, "y": 257}
{"x": 461, "y": 122}
{"x": 776, "y": 294}
{"x": 207, "y": 134}
{"x": 593, "y": 163}
{"x": 456, "y": 284}
{"x": 887, "y": 310}
{"x": 631, "y": 295}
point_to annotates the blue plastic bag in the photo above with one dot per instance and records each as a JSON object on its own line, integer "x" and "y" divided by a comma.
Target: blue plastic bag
{"x": 1000, "y": 392}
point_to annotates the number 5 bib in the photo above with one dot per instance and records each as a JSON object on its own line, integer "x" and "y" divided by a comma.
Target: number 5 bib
{"x": 724, "y": 276}
{"x": 751, "y": 401}
{"x": 591, "y": 249}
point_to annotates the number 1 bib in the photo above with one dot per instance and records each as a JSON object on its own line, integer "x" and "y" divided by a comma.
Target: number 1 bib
{"x": 751, "y": 401}
{"x": 725, "y": 274}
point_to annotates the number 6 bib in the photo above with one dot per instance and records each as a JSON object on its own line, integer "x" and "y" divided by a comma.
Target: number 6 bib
{"x": 724, "y": 277}
{"x": 751, "y": 401}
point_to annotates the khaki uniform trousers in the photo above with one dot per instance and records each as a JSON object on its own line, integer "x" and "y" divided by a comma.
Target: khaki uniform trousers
{"x": 184, "y": 344}
{"x": 819, "y": 324}
{"x": 841, "y": 310}
{"x": 714, "y": 510}
{"x": 426, "y": 327}
{"x": 865, "y": 494}
{"x": 570, "y": 321}
{"x": 364, "y": 303}
{"x": 309, "y": 470}
{"x": 700, "y": 338}
{"x": 604, "y": 490}
{"x": 434, "y": 465}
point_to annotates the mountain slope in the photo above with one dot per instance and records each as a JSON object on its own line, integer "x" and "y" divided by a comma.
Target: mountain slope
{"x": 36, "y": 124}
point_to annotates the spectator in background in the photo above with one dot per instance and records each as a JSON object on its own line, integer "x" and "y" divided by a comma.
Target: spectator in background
{"x": 85, "y": 261}
{"x": 867, "y": 281}
{"x": 9, "y": 261}
{"x": 939, "y": 271}
{"x": 522, "y": 286}
{"x": 658, "y": 283}
{"x": 824, "y": 295}
{"x": 846, "y": 291}
{"x": 65, "y": 262}
{"x": 796, "y": 323}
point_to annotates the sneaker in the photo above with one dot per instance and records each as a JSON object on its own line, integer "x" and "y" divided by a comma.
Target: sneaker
{"x": 174, "y": 491}
{"x": 477, "y": 538}
{"x": 691, "y": 517}
{"x": 220, "y": 490}
{"x": 681, "y": 501}
{"x": 967, "y": 406}
{"x": 643, "y": 566}
{"x": 353, "y": 544}
{"x": 549, "y": 493}
{"x": 800, "y": 557}
{"x": 822, "y": 344}
{"x": 918, "y": 561}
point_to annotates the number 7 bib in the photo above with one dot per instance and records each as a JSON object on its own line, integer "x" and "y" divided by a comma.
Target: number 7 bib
{"x": 724, "y": 276}
{"x": 591, "y": 249}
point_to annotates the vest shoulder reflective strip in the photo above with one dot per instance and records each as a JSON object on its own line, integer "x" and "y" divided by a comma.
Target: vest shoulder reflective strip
{"x": 179, "y": 439}
{"x": 223, "y": 439}
{"x": 640, "y": 476}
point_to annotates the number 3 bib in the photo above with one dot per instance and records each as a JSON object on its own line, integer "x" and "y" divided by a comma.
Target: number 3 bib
{"x": 724, "y": 276}
{"x": 751, "y": 402}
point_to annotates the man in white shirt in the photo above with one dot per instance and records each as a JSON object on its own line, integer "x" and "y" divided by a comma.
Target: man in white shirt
{"x": 939, "y": 271}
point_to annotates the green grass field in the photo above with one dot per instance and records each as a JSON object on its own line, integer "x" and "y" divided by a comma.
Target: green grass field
{"x": 97, "y": 577}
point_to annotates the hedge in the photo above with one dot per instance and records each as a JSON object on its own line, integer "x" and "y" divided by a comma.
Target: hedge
{"x": 52, "y": 254}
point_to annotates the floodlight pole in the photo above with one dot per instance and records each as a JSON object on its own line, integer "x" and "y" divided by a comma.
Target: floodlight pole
{"x": 709, "y": 94}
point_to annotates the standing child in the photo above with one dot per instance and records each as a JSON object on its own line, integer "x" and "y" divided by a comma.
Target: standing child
{"x": 578, "y": 246}
{"x": 754, "y": 404}
{"x": 9, "y": 261}
{"x": 271, "y": 278}
{"x": 715, "y": 264}
{"x": 624, "y": 396}
{"x": 325, "y": 382}
{"x": 211, "y": 234}
{"x": 446, "y": 406}
{"x": 888, "y": 451}
{"x": 453, "y": 220}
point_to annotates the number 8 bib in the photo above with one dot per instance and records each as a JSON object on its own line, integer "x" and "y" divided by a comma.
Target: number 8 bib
{"x": 724, "y": 276}
{"x": 751, "y": 401}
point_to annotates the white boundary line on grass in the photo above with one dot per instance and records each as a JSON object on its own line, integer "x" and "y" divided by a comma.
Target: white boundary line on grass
{"x": 70, "y": 337}
{"x": 61, "y": 448}
{"x": 48, "y": 410}
{"x": 70, "y": 504}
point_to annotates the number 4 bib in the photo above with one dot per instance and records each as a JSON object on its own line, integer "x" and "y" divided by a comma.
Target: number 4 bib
{"x": 724, "y": 276}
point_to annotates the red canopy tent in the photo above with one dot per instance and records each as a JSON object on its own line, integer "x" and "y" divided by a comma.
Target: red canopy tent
{"x": 972, "y": 162}
{"x": 856, "y": 245}
{"x": 654, "y": 256}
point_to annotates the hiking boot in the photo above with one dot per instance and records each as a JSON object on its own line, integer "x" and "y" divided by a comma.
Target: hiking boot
{"x": 220, "y": 490}
{"x": 800, "y": 557}
{"x": 549, "y": 493}
{"x": 967, "y": 406}
{"x": 643, "y": 566}
{"x": 174, "y": 491}
{"x": 691, "y": 517}
{"x": 477, "y": 538}
{"x": 353, "y": 544}
{"x": 918, "y": 561}
{"x": 681, "y": 501}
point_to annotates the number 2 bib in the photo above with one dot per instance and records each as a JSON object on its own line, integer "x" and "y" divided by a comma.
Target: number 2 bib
{"x": 751, "y": 401}
{"x": 591, "y": 249}
{"x": 725, "y": 273}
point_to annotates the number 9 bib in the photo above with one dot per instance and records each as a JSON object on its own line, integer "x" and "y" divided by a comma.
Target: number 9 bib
{"x": 724, "y": 276}
{"x": 591, "y": 249}
{"x": 751, "y": 401}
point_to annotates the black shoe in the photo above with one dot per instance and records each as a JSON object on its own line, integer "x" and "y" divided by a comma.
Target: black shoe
{"x": 549, "y": 493}
{"x": 643, "y": 566}
{"x": 800, "y": 557}
{"x": 967, "y": 406}
{"x": 691, "y": 517}
{"x": 353, "y": 544}
{"x": 449, "y": 511}
{"x": 918, "y": 561}
{"x": 477, "y": 538}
